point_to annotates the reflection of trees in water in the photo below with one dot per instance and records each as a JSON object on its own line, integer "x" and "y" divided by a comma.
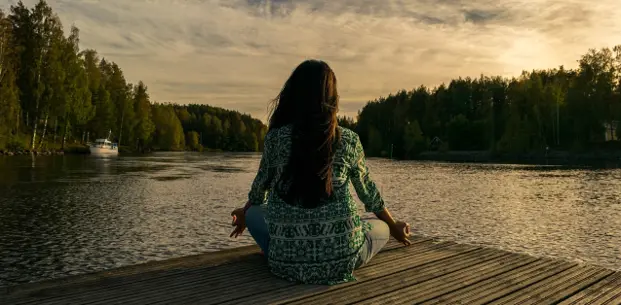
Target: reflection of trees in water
{"x": 57, "y": 219}
{"x": 23, "y": 169}
{"x": 35, "y": 219}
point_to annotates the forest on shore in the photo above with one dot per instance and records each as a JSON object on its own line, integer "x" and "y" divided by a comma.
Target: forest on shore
{"x": 54, "y": 94}
{"x": 572, "y": 110}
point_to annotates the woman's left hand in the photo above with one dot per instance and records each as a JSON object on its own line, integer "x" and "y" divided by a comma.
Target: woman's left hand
{"x": 401, "y": 232}
{"x": 239, "y": 222}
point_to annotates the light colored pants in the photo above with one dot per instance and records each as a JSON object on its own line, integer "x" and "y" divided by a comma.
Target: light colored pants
{"x": 375, "y": 239}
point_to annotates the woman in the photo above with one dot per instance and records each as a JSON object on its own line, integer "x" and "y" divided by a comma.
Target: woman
{"x": 299, "y": 210}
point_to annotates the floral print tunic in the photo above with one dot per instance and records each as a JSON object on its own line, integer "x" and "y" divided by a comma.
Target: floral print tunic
{"x": 320, "y": 245}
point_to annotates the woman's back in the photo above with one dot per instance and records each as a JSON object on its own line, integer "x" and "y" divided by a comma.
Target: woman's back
{"x": 309, "y": 226}
{"x": 316, "y": 245}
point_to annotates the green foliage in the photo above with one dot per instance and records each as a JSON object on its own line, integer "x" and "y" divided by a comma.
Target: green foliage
{"x": 413, "y": 140}
{"x": 346, "y": 122}
{"x": 556, "y": 108}
{"x": 17, "y": 142}
{"x": 142, "y": 109}
{"x": 168, "y": 131}
{"x": 222, "y": 129}
{"x": 77, "y": 149}
{"x": 102, "y": 121}
{"x": 376, "y": 145}
{"x": 458, "y": 132}
{"x": 10, "y": 108}
{"x": 192, "y": 141}
{"x": 56, "y": 93}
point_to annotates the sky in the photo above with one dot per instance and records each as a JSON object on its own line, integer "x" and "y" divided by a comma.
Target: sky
{"x": 237, "y": 54}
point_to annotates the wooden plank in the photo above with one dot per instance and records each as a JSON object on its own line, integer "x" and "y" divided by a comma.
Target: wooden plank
{"x": 158, "y": 277}
{"x": 561, "y": 293}
{"x": 154, "y": 270}
{"x": 447, "y": 283}
{"x": 402, "y": 278}
{"x": 208, "y": 292}
{"x": 428, "y": 272}
{"x": 414, "y": 249}
{"x": 138, "y": 292}
{"x": 299, "y": 292}
{"x": 557, "y": 288}
{"x": 205, "y": 273}
{"x": 134, "y": 272}
{"x": 503, "y": 284}
{"x": 191, "y": 279}
{"x": 257, "y": 271}
{"x": 604, "y": 292}
{"x": 394, "y": 244}
{"x": 196, "y": 294}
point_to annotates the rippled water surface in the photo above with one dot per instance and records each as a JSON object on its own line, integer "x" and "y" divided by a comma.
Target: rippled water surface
{"x": 74, "y": 214}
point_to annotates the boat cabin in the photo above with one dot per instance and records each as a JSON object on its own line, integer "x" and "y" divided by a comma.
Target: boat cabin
{"x": 104, "y": 143}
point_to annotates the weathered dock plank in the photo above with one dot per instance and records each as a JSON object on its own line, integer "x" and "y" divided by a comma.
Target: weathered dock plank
{"x": 442, "y": 282}
{"x": 606, "y": 291}
{"x": 269, "y": 283}
{"x": 503, "y": 284}
{"x": 556, "y": 288}
{"x": 427, "y": 272}
{"x": 376, "y": 270}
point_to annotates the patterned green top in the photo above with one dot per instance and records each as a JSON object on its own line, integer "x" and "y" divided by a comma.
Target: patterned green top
{"x": 320, "y": 245}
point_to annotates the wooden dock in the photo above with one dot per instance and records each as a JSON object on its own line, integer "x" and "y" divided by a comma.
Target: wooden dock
{"x": 427, "y": 272}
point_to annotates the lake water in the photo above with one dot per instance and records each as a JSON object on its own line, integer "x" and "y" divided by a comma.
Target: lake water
{"x": 65, "y": 215}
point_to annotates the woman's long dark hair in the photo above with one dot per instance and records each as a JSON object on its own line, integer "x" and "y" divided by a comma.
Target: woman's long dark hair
{"x": 309, "y": 102}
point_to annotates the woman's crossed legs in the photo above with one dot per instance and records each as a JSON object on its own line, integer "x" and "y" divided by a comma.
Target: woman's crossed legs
{"x": 375, "y": 239}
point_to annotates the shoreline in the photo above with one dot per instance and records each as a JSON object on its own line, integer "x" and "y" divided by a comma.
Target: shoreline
{"x": 69, "y": 150}
{"x": 51, "y": 152}
{"x": 551, "y": 158}
{"x": 84, "y": 150}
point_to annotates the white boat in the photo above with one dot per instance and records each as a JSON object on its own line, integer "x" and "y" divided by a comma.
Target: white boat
{"x": 104, "y": 147}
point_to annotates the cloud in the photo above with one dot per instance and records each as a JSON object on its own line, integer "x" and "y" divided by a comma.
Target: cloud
{"x": 238, "y": 53}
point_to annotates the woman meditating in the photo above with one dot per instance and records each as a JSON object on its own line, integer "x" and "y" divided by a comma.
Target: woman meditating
{"x": 300, "y": 210}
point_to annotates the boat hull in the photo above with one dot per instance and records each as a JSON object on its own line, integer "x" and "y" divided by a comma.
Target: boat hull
{"x": 103, "y": 151}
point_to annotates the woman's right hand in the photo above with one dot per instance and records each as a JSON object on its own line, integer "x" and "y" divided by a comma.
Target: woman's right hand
{"x": 239, "y": 222}
{"x": 401, "y": 231}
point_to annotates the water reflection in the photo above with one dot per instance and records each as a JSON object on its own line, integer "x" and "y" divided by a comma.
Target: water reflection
{"x": 62, "y": 215}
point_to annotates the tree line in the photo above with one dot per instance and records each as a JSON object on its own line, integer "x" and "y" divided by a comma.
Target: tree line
{"x": 52, "y": 93}
{"x": 563, "y": 109}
